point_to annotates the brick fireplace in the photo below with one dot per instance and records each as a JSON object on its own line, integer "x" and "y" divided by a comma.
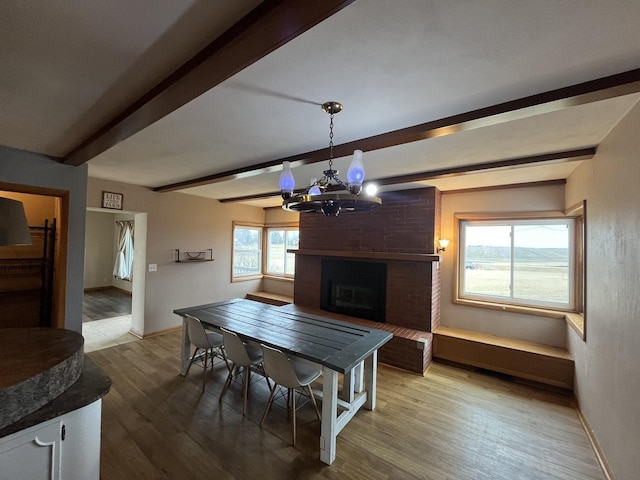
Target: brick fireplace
{"x": 401, "y": 234}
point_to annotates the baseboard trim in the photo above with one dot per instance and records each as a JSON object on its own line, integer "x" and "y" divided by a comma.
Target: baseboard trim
{"x": 600, "y": 457}
{"x": 161, "y": 332}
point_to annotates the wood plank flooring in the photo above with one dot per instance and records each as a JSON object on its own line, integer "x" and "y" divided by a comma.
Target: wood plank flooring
{"x": 105, "y": 303}
{"x": 450, "y": 424}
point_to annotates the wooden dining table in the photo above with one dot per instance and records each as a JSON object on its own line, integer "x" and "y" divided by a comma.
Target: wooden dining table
{"x": 337, "y": 346}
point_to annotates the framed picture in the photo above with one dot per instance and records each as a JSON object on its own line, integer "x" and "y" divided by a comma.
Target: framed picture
{"x": 112, "y": 200}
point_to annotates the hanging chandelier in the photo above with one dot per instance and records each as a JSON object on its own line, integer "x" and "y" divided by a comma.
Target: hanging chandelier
{"x": 315, "y": 198}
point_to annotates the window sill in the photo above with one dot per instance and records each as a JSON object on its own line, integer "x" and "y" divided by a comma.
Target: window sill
{"x": 278, "y": 278}
{"x": 540, "y": 312}
{"x": 246, "y": 279}
{"x": 576, "y": 321}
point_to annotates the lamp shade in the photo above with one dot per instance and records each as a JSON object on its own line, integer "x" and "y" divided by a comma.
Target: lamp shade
{"x": 287, "y": 182}
{"x": 355, "y": 174}
{"x": 14, "y": 229}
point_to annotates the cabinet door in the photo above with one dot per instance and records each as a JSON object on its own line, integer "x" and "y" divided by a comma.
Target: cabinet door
{"x": 80, "y": 449}
{"x": 32, "y": 454}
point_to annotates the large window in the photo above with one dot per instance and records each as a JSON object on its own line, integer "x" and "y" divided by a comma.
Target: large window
{"x": 526, "y": 262}
{"x": 247, "y": 251}
{"x": 279, "y": 240}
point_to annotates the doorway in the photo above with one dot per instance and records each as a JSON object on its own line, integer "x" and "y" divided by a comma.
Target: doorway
{"x": 33, "y": 277}
{"x": 113, "y": 308}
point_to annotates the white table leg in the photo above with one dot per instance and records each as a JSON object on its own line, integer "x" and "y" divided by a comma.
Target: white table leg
{"x": 359, "y": 377}
{"x": 185, "y": 346}
{"x": 328, "y": 430}
{"x": 370, "y": 374}
{"x": 348, "y": 386}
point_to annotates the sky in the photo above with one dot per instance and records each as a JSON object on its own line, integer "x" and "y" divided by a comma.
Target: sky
{"x": 526, "y": 235}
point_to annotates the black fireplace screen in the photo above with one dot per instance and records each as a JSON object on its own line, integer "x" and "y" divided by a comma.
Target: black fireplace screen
{"x": 354, "y": 288}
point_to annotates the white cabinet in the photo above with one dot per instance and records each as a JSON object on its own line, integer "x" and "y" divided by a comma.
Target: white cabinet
{"x": 63, "y": 448}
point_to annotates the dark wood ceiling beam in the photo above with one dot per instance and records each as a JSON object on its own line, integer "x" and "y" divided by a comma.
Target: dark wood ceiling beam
{"x": 580, "y": 94}
{"x": 269, "y": 26}
{"x": 547, "y": 159}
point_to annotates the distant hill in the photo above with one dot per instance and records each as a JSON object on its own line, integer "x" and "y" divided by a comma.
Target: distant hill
{"x": 483, "y": 254}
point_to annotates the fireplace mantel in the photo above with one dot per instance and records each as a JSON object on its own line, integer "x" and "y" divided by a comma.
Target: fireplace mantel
{"x": 406, "y": 257}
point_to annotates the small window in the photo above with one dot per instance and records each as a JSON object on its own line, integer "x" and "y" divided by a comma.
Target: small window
{"x": 518, "y": 262}
{"x": 279, "y": 261}
{"x": 247, "y": 251}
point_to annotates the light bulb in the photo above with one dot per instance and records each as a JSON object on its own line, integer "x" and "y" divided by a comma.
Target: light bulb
{"x": 287, "y": 182}
{"x": 371, "y": 189}
{"x": 314, "y": 189}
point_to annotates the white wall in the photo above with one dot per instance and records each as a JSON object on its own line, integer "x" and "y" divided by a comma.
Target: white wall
{"x": 531, "y": 328}
{"x": 607, "y": 383}
{"x": 187, "y": 222}
{"x": 26, "y": 168}
{"x": 98, "y": 254}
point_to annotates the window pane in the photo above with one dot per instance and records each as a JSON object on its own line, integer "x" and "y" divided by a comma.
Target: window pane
{"x": 541, "y": 263}
{"x": 247, "y": 254}
{"x": 279, "y": 262}
{"x": 523, "y": 262}
{"x": 487, "y": 258}
{"x": 293, "y": 237}
{"x": 276, "y": 252}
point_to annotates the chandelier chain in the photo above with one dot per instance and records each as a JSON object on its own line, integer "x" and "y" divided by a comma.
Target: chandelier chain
{"x": 331, "y": 142}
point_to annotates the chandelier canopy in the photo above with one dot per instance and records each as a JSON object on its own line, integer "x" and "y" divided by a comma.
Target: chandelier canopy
{"x": 315, "y": 198}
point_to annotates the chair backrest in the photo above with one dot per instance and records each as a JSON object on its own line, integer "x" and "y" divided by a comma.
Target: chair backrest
{"x": 278, "y": 367}
{"x": 196, "y": 333}
{"x": 234, "y": 348}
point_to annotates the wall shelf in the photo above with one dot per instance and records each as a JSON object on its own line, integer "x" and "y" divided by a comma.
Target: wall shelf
{"x": 193, "y": 256}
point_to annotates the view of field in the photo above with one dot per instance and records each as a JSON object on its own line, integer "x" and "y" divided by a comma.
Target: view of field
{"x": 540, "y": 274}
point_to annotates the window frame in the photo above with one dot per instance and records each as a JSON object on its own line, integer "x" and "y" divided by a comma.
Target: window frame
{"x": 247, "y": 225}
{"x": 578, "y": 265}
{"x": 578, "y": 320}
{"x": 265, "y": 268}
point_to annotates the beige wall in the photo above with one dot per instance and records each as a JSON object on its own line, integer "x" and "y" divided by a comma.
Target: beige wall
{"x": 525, "y": 327}
{"x": 607, "y": 383}
{"x": 186, "y": 222}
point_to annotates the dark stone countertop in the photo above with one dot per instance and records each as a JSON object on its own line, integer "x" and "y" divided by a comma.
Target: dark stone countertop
{"x": 92, "y": 385}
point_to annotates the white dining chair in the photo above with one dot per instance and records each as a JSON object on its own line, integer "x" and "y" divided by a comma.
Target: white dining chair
{"x": 290, "y": 374}
{"x": 242, "y": 356}
{"x": 202, "y": 339}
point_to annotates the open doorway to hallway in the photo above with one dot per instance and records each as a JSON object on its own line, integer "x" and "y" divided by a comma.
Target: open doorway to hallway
{"x": 112, "y": 306}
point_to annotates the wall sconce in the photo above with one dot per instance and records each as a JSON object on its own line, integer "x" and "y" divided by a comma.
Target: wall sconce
{"x": 442, "y": 245}
{"x": 14, "y": 229}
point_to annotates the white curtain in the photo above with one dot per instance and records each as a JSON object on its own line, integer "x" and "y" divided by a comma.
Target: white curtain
{"x": 123, "y": 268}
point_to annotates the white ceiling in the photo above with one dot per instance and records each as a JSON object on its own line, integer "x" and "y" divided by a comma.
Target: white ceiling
{"x": 70, "y": 66}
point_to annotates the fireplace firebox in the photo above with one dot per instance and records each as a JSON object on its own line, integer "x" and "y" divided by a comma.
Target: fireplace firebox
{"x": 354, "y": 288}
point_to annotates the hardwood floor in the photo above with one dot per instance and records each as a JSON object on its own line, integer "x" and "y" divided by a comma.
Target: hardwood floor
{"x": 450, "y": 424}
{"x": 105, "y": 303}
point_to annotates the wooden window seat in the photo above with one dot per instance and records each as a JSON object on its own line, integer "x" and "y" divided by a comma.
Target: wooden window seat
{"x": 270, "y": 298}
{"x": 525, "y": 360}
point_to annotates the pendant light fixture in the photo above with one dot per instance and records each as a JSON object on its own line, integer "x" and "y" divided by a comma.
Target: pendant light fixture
{"x": 315, "y": 198}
